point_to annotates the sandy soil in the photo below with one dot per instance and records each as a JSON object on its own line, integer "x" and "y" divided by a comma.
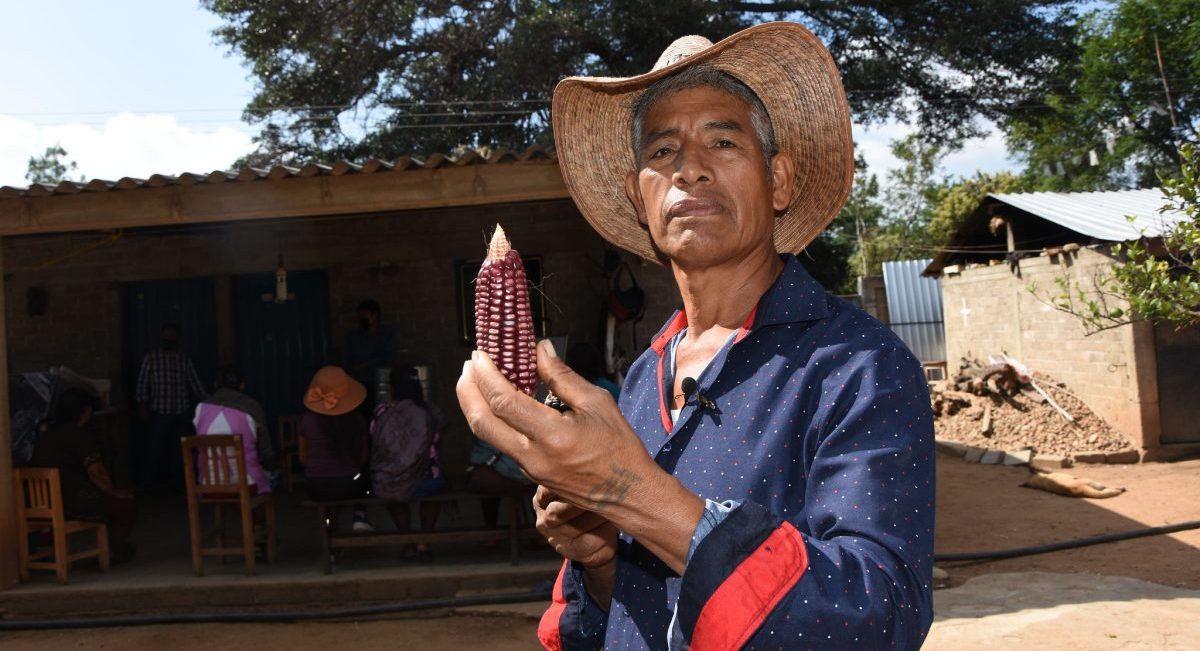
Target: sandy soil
{"x": 979, "y": 508}
{"x": 982, "y": 508}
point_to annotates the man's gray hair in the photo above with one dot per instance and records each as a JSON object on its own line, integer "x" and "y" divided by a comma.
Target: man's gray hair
{"x": 695, "y": 77}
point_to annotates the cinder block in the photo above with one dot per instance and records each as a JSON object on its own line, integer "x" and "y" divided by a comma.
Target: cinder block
{"x": 1090, "y": 457}
{"x": 992, "y": 457}
{"x": 1050, "y": 462}
{"x": 952, "y": 447}
{"x": 973, "y": 454}
{"x": 1123, "y": 456}
{"x": 1018, "y": 457}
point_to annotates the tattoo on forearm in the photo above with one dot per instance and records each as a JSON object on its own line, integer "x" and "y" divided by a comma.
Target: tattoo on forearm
{"x": 612, "y": 490}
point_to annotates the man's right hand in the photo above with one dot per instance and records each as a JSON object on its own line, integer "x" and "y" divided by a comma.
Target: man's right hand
{"x": 581, "y": 536}
{"x": 143, "y": 411}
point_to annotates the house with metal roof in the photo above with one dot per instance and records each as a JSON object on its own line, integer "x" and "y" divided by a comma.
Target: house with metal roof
{"x": 1052, "y": 219}
{"x": 1003, "y": 272}
{"x": 92, "y": 270}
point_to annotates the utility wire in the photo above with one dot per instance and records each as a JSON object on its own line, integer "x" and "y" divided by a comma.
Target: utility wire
{"x": 1177, "y": 91}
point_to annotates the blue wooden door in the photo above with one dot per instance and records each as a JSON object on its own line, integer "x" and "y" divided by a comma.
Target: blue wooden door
{"x": 189, "y": 303}
{"x": 280, "y": 345}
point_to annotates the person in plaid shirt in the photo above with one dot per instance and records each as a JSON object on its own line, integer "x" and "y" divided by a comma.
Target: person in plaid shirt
{"x": 167, "y": 389}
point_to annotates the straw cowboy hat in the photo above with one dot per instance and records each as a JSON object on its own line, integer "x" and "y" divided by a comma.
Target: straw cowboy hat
{"x": 783, "y": 63}
{"x": 332, "y": 392}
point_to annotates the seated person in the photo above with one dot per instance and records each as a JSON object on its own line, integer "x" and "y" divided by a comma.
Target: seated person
{"x": 230, "y": 392}
{"x": 87, "y": 490}
{"x": 333, "y": 442}
{"x": 229, "y": 411}
{"x": 494, "y": 473}
{"x": 404, "y": 455}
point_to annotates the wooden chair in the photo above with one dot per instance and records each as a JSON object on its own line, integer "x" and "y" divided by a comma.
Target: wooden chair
{"x": 40, "y": 508}
{"x": 289, "y": 450}
{"x": 215, "y": 469}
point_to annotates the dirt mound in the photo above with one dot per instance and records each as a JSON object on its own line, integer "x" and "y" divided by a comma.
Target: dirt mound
{"x": 998, "y": 406}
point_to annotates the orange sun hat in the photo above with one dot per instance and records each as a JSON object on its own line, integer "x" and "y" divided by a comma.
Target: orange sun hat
{"x": 332, "y": 392}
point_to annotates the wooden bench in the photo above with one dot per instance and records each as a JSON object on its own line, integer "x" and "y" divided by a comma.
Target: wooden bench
{"x": 515, "y": 531}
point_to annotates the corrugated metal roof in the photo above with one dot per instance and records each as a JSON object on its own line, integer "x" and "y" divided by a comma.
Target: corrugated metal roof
{"x": 1101, "y": 215}
{"x": 535, "y": 153}
{"x": 915, "y": 308}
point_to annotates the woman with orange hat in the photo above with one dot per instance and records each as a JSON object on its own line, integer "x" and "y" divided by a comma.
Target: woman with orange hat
{"x": 333, "y": 441}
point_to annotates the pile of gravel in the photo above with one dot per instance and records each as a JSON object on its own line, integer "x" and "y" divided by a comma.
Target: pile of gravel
{"x": 1022, "y": 420}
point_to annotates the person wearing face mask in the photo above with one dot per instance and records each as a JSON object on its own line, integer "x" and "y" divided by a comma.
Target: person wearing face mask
{"x": 167, "y": 389}
{"x": 370, "y": 346}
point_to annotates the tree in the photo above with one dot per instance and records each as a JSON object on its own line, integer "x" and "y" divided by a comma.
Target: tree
{"x": 834, "y": 258}
{"x": 1107, "y": 122}
{"x": 359, "y": 78}
{"x": 1159, "y": 286}
{"x": 896, "y": 227}
{"x": 957, "y": 201}
{"x": 49, "y": 168}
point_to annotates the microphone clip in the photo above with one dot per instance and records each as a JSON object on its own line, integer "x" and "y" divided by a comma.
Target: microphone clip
{"x": 691, "y": 388}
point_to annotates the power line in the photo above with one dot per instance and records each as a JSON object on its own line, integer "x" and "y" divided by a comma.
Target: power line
{"x": 946, "y": 99}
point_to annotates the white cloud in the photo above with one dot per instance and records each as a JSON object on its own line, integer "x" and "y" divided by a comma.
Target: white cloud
{"x": 986, "y": 154}
{"x": 127, "y": 144}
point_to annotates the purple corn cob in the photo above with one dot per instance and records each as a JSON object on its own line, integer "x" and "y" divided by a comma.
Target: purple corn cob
{"x": 503, "y": 318}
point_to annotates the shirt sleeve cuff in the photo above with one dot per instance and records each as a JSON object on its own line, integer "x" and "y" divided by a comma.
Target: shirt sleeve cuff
{"x": 592, "y": 618}
{"x": 714, "y": 514}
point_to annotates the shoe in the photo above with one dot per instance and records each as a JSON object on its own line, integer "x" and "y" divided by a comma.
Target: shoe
{"x": 362, "y": 526}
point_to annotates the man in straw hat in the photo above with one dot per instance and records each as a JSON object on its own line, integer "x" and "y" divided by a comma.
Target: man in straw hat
{"x": 768, "y": 478}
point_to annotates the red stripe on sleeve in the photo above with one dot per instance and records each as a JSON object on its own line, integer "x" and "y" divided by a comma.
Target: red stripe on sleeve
{"x": 735, "y": 611}
{"x": 548, "y": 632}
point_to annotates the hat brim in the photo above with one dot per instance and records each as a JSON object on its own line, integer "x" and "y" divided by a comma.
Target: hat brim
{"x": 784, "y": 64}
{"x": 356, "y": 393}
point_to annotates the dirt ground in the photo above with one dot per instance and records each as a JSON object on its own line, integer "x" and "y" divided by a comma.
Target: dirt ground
{"x": 979, "y": 508}
{"x": 982, "y": 508}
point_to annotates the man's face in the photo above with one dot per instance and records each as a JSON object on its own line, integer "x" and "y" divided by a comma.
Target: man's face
{"x": 703, "y": 189}
{"x": 170, "y": 339}
{"x": 367, "y": 319}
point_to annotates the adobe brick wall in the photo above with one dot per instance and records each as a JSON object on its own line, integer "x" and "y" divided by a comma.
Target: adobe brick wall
{"x": 990, "y": 310}
{"x": 82, "y": 327}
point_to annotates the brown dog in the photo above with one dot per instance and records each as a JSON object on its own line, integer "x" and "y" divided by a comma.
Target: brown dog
{"x": 1063, "y": 484}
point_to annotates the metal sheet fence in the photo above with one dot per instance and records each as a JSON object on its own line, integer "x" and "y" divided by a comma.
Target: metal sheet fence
{"x": 915, "y": 307}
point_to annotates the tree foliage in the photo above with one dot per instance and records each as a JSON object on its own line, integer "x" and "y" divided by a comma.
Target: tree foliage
{"x": 1161, "y": 286}
{"x": 834, "y": 259}
{"x": 50, "y": 168}
{"x": 359, "y": 78}
{"x": 1106, "y": 123}
{"x": 956, "y": 201}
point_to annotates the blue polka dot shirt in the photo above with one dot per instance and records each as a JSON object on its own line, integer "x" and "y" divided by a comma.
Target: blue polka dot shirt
{"x": 816, "y": 437}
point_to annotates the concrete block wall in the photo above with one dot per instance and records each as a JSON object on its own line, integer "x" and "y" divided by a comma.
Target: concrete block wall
{"x": 82, "y": 326}
{"x": 991, "y": 310}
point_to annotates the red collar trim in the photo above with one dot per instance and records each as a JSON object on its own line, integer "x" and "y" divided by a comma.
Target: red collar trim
{"x": 660, "y": 345}
{"x": 747, "y": 326}
{"x": 678, "y": 323}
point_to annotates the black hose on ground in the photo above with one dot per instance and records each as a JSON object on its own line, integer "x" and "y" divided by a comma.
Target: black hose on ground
{"x": 274, "y": 617}
{"x": 491, "y": 600}
{"x": 1067, "y": 544}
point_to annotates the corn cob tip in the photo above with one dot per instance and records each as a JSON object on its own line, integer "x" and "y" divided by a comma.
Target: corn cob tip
{"x": 499, "y": 246}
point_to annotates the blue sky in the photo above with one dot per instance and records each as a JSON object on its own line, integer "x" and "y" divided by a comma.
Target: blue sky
{"x": 134, "y": 88}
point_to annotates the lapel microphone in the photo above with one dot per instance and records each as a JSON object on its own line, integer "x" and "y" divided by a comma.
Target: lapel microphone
{"x": 690, "y": 388}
